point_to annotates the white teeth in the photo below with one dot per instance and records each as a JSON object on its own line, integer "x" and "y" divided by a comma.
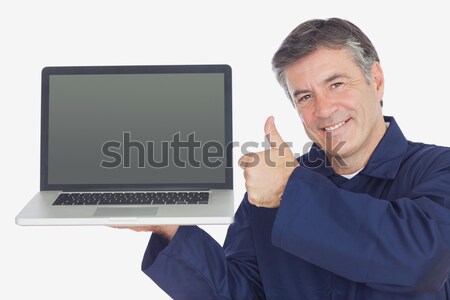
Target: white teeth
{"x": 334, "y": 127}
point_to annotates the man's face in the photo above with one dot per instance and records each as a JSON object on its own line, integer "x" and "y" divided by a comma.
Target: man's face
{"x": 339, "y": 109}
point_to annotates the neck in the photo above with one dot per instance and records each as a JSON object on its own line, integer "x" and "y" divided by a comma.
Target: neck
{"x": 353, "y": 165}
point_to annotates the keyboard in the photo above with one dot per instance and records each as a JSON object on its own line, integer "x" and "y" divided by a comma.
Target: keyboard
{"x": 138, "y": 198}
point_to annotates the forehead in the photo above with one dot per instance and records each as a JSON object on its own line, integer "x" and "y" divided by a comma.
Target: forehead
{"x": 321, "y": 64}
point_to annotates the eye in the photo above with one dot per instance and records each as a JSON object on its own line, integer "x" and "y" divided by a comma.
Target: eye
{"x": 336, "y": 85}
{"x": 302, "y": 99}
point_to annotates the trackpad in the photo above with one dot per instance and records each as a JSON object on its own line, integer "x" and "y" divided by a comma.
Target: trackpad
{"x": 125, "y": 211}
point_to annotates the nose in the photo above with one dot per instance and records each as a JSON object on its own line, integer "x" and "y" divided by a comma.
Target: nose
{"x": 324, "y": 106}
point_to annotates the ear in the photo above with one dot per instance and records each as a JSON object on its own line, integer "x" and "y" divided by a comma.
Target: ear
{"x": 378, "y": 79}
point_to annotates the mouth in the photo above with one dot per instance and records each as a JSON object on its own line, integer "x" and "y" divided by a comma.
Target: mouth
{"x": 334, "y": 127}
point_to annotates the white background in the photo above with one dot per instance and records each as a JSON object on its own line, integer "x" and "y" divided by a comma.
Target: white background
{"x": 104, "y": 263}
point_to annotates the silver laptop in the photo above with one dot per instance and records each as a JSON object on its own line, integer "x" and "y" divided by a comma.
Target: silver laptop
{"x": 134, "y": 145}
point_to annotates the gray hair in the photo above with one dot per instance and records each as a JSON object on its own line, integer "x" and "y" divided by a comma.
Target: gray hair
{"x": 331, "y": 33}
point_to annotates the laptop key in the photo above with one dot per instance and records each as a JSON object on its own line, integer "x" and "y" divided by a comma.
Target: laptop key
{"x": 140, "y": 198}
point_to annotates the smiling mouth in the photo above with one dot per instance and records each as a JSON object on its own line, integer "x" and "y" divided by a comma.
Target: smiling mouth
{"x": 334, "y": 127}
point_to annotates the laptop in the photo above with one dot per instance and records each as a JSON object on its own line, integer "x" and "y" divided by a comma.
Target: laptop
{"x": 134, "y": 145}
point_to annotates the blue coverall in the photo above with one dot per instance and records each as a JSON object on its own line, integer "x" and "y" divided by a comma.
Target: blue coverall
{"x": 383, "y": 234}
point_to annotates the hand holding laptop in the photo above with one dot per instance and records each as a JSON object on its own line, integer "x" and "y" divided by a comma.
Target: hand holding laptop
{"x": 166, "y": 231}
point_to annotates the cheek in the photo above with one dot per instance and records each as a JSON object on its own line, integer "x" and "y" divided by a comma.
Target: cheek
{"x": 305, "y": 118}
{"x": 306, "y": 115}
{"x": 345, "y": 97}
{"x": 308, "y": 124}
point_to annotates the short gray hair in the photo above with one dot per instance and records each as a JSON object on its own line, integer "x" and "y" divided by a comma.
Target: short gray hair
{"x": 331, "y": 33}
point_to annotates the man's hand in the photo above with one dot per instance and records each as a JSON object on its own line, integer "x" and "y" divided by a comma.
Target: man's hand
{"x": 166, "y": 231}
{"x": 266, "y": 173}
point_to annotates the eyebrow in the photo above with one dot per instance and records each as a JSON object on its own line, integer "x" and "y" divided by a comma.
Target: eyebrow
{"x": 325, "y": 81}
{"x": 335, "y": 76}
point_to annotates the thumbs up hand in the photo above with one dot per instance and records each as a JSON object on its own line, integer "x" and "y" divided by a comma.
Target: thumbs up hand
{"x": 266, "y": 173}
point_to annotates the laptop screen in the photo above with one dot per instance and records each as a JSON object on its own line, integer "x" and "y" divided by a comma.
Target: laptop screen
{"x": 136, "y": 127}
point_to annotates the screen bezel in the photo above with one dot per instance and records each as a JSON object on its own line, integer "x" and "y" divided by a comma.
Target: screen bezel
{"x": 149, "y": 69}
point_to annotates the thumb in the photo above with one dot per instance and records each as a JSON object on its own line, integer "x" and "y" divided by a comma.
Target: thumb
{"x": 271, "y": 132}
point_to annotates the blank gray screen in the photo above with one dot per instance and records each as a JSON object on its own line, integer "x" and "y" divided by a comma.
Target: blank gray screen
{"x": 91, "y": 113}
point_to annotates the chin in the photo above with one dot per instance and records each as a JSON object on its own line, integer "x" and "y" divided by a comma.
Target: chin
{"x": 339, "y": 150}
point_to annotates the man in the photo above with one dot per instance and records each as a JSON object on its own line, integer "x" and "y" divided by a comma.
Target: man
{"x": 364, "y": 215}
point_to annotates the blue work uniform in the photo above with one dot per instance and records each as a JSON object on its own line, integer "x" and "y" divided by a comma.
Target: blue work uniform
{"x": 383, "y": 234}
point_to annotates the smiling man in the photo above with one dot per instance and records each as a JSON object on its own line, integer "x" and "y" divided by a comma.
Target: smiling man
{"x": 364, "y": 215}
{"x": 338, "y": 104}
